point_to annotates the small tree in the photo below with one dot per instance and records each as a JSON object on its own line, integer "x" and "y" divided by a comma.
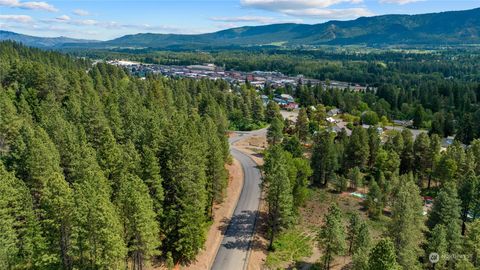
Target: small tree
{"x": 332, "y": 236}
{"x": 437, "y": 243}
{"x": 340, "y": 182}
{"x": 374, "y": 200}
{"x": 293, "y": 146}
{"x": 278, "y": 192}
{"x": 383, "y": 256}
{"x": 353, "y": 229}
{"x": 473, "y": 242}
{"x": 302, "y": 125}
{"x": 275, "y": 132}
{"x": 356, "y": 178}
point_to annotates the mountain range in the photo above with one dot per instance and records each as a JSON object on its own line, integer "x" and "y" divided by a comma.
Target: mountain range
{"x": 445, "y": 28}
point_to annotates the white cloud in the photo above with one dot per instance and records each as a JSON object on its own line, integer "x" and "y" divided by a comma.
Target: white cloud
{"x": 16, "y": 18}
{"x": 253, "y": 19}
{"x": 320, "y": 9}
{"x": 399, "y": 2}
{"x": 81, "y": 12}
{"x": 63, "y": 18}
{"x": 28, "y": 5}
{"x": 276, "y": 5}
{"x": 85, "y": 22}
{"x": 347, "y": 13}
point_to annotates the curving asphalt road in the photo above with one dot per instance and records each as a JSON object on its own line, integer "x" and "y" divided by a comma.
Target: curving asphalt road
{"x": 234, "y": 250}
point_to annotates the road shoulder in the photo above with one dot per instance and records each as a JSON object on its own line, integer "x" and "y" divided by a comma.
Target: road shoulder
{"x": 222, "y": 214}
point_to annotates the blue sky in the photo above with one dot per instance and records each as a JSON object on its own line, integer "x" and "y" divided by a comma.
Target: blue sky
{"x": 106, "y": 19}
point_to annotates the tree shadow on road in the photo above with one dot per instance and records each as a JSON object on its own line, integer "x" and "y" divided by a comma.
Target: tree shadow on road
{"x": 239, "y": 229}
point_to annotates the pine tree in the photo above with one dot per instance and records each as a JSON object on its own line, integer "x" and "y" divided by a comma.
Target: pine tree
{"x": 302, "y": 125}
{"x": 272, "y": 112}
{"x": 467, "y": 192}
{"x": 293, "y": 146}
{"x": 475, "y": 149}
{"x": 97, "y": 232}
{"x": 446, "y": 211}
{"x": 383, "y": 256}
{"x": 387, "y": 162}
{"x": 10, "y": 122}
{"x": 437, "y": 243}
{"x": 215, "y": 167}
{"x": 374, "y": 200}
{"x": 324, "y": 159}
{"x": 184, "y": 181}
{"x": 258, "y": 109}
{"x": 140, "y": 227}
{"x": 419, "y": 116}
{"x": 275, "y": 132}
{"x": 153, "y": 179}
{"x": 278, "y": 192}
{"x": 357, "y": 150}
{"x": 52, "y": 196}
{"x": 332, "y": 236}
{"x": 340, "y": 183}
{"x": 21, "y": 242}
{"x": 353, "y": 229}
{"x": 434, "y": 154}
{"x": 361, "y": 247}
{"x": 472, "y": 246}
{"x": 408, "y": 156}
{"x": 373, "y": 145}
{"x": 360, "y": 259}
{"x": 445, "y": 169}
{"x": 407, "y": 222}
{"x": 300, "y": 186}
{"x": 356, "y": 178}
{"x": 421, "y": 149}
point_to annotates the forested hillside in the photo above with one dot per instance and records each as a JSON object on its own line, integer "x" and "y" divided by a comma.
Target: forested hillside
{"x": 432, "y": 30}
{"x": 99, "y": 169}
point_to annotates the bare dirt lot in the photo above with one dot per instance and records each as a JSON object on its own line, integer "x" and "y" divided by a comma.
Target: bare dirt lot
{"x": 253, "y": 146}
{"x": 312, "y": 219}
{"x": 290, "y": 115}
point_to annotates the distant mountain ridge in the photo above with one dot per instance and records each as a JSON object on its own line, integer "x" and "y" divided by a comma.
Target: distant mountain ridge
{"x": 40, "y": 41}
{"x": 445, "y": 28}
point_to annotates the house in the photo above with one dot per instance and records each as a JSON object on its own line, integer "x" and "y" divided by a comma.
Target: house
{"x": 291, "y": 106}
{"x": 207, "y": 67}
{"x": 280, "y": 101}
{"x": 403, "y": 123}
{"x": 287, "y": 98}
{"x": 331, "y": 120}
{"x": 334, "y": 112}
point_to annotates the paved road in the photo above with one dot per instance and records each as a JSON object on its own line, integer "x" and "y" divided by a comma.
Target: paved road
{"x": 233, "y": 252}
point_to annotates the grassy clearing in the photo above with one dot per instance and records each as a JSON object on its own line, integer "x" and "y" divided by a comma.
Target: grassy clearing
{"x": 297, "y": 247}
{"x": 291, "y": 246}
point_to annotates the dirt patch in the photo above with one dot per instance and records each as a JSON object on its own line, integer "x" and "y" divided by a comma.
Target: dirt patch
{"x": 254, "y": 147}
{"x": 222, "y": 212}
{"x": 290, "y": 115}
{"x": 312, "y": 219}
